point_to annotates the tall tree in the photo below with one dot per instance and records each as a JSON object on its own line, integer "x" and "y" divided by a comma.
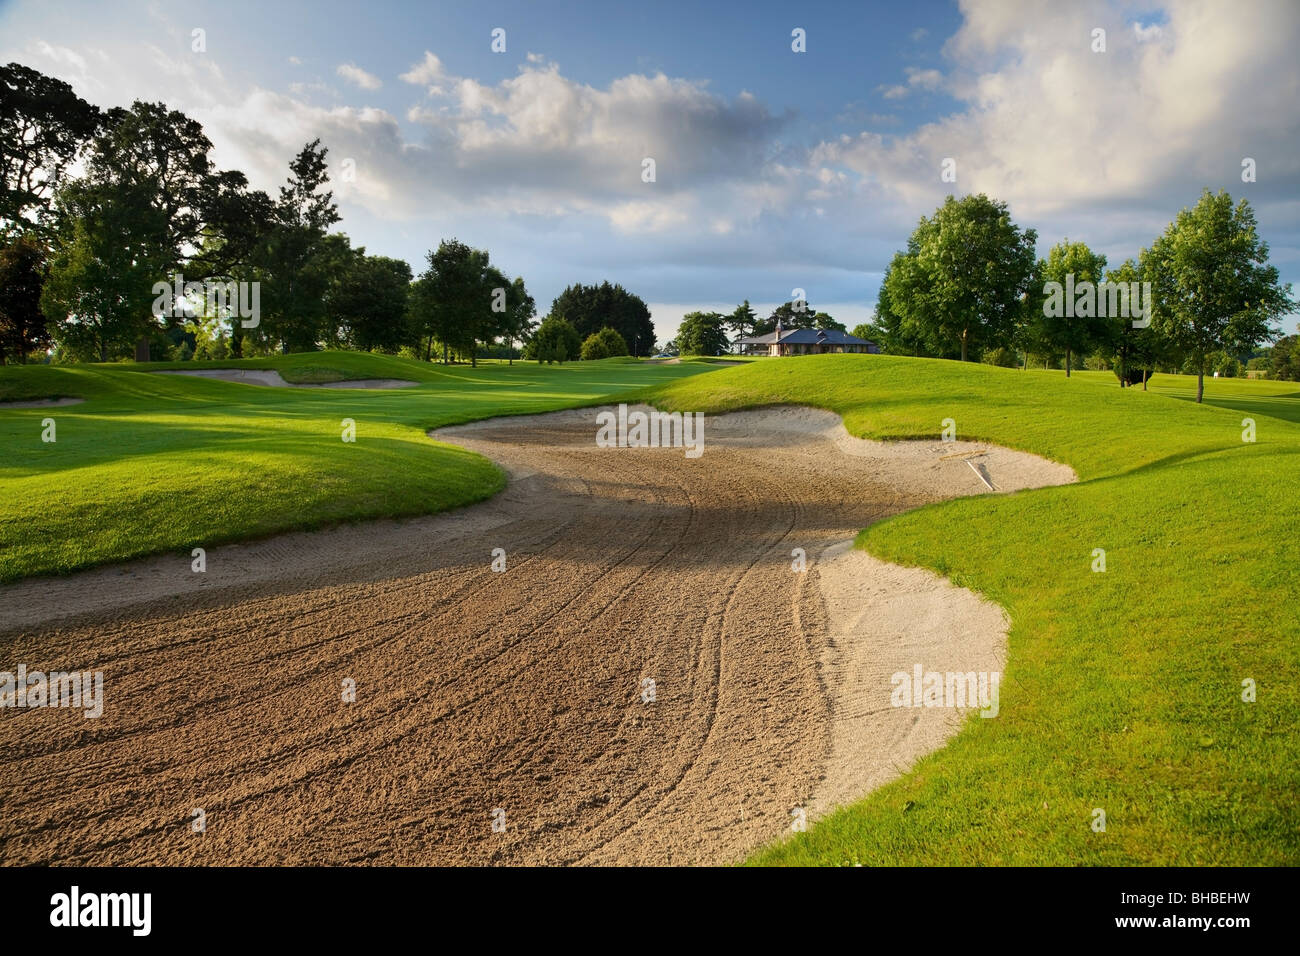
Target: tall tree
{"x": 99, "y": 291}
{"x": 702, "y": 333}
{"x": 157, "y": 159}
{"x": 1212, "y": 283}
{"x": 1071, "y": 325}
{"x": 965, "y": 275}
{"x": 367, "y": 303}
{"x": 452, "y": 302}
{"x": 22, "y": 278}
{"x": 591, "y": 308}
{"x": 1131, "y": 350}
{"x": 43, "y": 127}
{"x": 297, "y": 261}
{"x": 520, "y": 312}
{"x": 741, "y": 321}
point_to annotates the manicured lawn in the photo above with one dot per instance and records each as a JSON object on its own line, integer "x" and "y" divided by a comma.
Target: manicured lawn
{"x": 1123, "y": 688}
{"x": 152, "y": 463}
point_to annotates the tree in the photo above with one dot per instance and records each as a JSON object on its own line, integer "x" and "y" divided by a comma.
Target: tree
{"x": 43, "y": 127}
{"x": 702, "y": 333}
{"x": 1069, "y": 324}
{"x": 368, "y": 303}
{"x": 454, "y": 301}
{"x": 1132, "y": 350}
{"x": 157, "y": 159}
{"x": 105, "y": 260}
{"x": 296, "y": 263}
{"x": 520, "y": 311}
{"x": 887, "y": 329}
{"x": 556, "y": 340}
{"x": 606, "y": 343}
{"x": 1283, "y": 361}
{"x": 591, "y": 308}
{"x": 964, "y": 277}
{"x": 22, "y": 278}
{"x": 742, "y": 321}
{"x": 1212, "y": 284}
{"x": 823, "y": 321}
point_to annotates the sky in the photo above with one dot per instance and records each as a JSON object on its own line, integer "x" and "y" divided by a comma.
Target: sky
{"x": 774, "y": 170}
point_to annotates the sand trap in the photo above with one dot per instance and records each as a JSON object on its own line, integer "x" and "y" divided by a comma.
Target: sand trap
{"x": 42, "y": 403}
{"x": 270, "y": 377}
{"x": 520, "y": 690}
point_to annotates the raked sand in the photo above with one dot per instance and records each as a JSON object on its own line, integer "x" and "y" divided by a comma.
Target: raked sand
{"x": 525, "y": 690}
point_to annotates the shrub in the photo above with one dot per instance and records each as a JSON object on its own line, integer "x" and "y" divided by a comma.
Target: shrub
{"x": 606, "y": 343}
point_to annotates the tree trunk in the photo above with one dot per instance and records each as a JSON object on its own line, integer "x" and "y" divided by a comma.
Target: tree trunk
{"x": 1144, "y": 380}
{"x": 1067, "y": 363}
{"x": 1200, "y": 385}
{"x": 963, "y": 345}
{"x": 142, "y": 349}
{"x": 444, "y": 353}
{"x": 473, "y": 355}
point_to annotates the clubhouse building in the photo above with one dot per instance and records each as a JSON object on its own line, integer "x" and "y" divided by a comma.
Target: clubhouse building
{"x": 804, "y": 342}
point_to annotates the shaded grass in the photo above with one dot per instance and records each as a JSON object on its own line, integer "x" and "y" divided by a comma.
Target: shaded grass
{"x": 153, "y": 463}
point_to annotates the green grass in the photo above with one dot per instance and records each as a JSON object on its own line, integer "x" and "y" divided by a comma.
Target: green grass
{"x": 1123, "y": 688}
{"x": 153, "y": 463}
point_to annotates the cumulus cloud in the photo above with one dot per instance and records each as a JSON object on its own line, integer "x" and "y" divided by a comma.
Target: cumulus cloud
{"x": 354, "y": 74}
{"x": 1109, "y": 144}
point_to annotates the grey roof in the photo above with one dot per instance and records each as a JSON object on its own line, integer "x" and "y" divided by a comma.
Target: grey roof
{"x": 806, "y": 337}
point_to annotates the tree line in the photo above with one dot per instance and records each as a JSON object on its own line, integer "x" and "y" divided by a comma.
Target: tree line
{"x": 116, "y": 225}
{"x": 968, "y": 286}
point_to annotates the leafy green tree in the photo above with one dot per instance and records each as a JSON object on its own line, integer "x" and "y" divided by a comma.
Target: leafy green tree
{"x": 1212, "y": 283}
{"x": 556, "y": 340}
{"x": 741, "y": 322}
{"x": 43, "y": 127}
{"x": 591, "y": 308}
{"x": 157, "y": 159}
{"x": 368, "y": 303}
{"x": 606, "y": 343}
{"x": 965, "y": 276}
{"x": 1283, "y": 361}
{"x": 1075, "y": 334}
{"x": 1133, "y": 352}
{"x": 887, "y": 328}
{"x": 99, "y": 291}
{"x": 519, "y": 320}
{"x": 702, "y": 333}
{"x": 22, "y": 278}
{"x": 453, "y": 302}
{"x": 823, "y": 321}
{"x": 297, "y": 263}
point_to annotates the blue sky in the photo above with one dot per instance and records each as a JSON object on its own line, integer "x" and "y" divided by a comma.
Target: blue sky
{"x": 775, "y": 170}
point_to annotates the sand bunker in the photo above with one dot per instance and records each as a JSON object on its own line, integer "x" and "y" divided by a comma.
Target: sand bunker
{"x": 42, "y": 403}
{"x": 527, "y": 690}
{"x": 251, "y": 376}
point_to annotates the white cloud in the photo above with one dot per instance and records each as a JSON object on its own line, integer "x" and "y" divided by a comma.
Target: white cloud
{"x": 428, "y": 72}
{"x": 354, "y": 74}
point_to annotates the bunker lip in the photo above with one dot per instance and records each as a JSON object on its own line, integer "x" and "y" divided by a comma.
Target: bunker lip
{"x": 272, "y": 378}
{"x": 41, "y": 403}
{"x": 521, "y": 689}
